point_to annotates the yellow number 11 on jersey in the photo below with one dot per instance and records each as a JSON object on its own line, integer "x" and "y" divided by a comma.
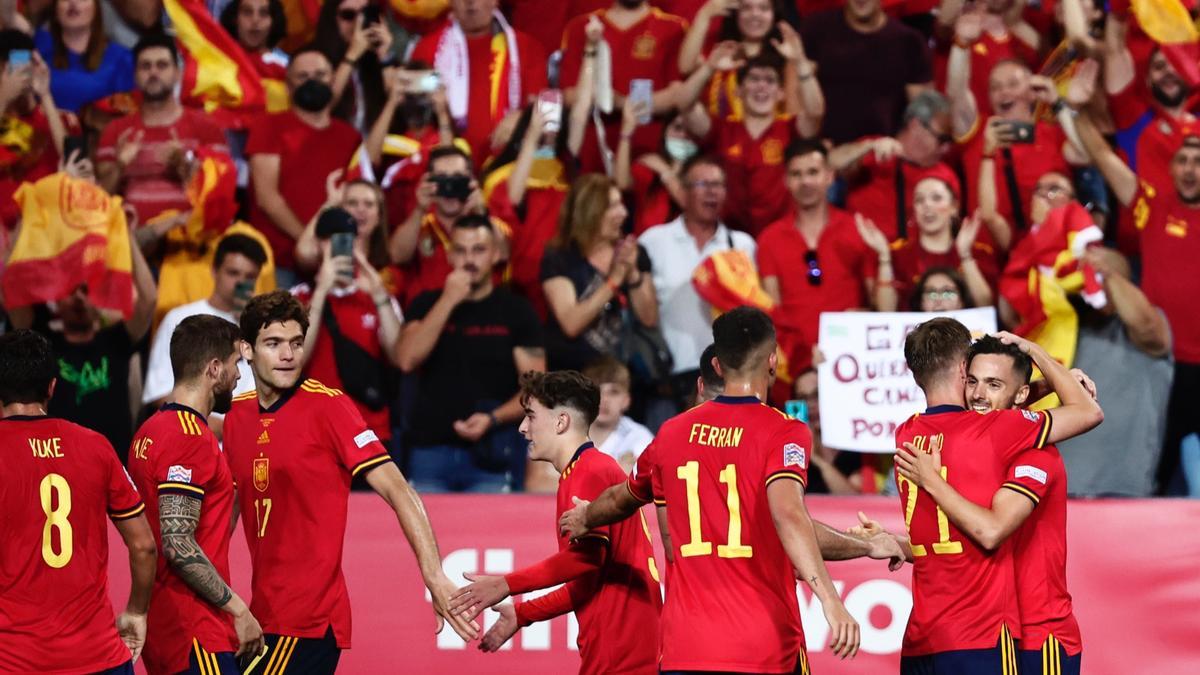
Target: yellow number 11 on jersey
{"x": 690, "y": 474}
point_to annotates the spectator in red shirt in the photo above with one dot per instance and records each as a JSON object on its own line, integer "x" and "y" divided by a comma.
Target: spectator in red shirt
{"x": 813, "y": 261}
{"x": 464, "y": 51}
{"x": 939, "y": 242}
{"x": 291, "y": 155}
{"x": 147, "y": 157}
{"x": 870, "y": 66}
{"x": 751, "y": 145}
{"x": 34, "y": 127}
{"x": 1003, "y": 35}
{"x": 353, "y": 323}
{"x": 447, "y": 192}
{"x": 881, "y": 169}
{"x": 642, "y": 41}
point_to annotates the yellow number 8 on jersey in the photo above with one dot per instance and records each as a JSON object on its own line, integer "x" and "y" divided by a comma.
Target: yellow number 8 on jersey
{"x": 54, "y": 485}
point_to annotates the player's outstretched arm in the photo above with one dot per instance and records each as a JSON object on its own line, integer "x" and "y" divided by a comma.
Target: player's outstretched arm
{"x": 583, "y": 556}
{"x": 387, "y": 480}
{"x": 143, "y": 555}
{"x": 838, "y": 545}
{"x": 868, "y": 528}
{"x": 987, "y": 527}
{"x": 1079, "y": 412}
{"x": 613, "y": 505}
{"x": 786, "y": 501}
{"x": 518, "y": 615}
{"x": 178, "y": 516}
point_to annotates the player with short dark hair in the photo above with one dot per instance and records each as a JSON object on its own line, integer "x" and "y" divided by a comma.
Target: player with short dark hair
{"x": 58, "y": 483}
{"x": 197, "y": 624}
{"x": 1030, "y": 506}
{"x": 293, "y": 446}
{"x": 611, "y": 581}
{"x": 965, "y": 616}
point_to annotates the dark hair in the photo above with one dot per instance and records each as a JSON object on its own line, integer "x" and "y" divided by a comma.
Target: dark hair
{"x": 27, "y": 361}
{"x": 241, "y": 244}
{"x": 278, "y": 21}
{"x": 934, "y": 347}
{"x": 472, "y": 221}
{"x": 608, "y": 370}
{"x": 729, "y": 26}
{"x": 309, "y": 48}
{"x": 699, "y": 159}
{"x": 742, "y": 336}
{"x": 508, "y": 154}
{"x": 804, "y": 146}
{"x": 765, "y": 61}
{"x": 329, "y": 40}
{"x": 960, "y": 285}
{"x": 12, "y": 39}
{"x": 1022, "y": 364}
{"x": 566, "y": 388}
{"x": 93, "y": 54}
{"x": 199, "y": 339}
{"x": 443, "y": 151}
{"x": 277, "y": 306}
{"x": 152, "y": 40}
{"x": 708, "y": 373}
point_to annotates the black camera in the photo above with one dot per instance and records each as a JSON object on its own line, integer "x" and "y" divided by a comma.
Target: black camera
{"x": 454, "y": 186}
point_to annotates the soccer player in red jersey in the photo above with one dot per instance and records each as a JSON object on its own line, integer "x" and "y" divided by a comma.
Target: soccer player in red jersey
{"x": 293, "y": 446}
{"x": 610, "y": 576}
{"x": 732, "y": 473}
{"x": 1031, "y": 507}
{"x": 60, "y": 480}
{"x": 965, "y": 616}
{"x": 197, "y": 624}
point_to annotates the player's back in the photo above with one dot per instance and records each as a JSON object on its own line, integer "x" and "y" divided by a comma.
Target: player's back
{"x": 731, "y": 601}
{"x": 962, "y": 595}
{"x": 61, "y": 482}
{"x": 1040, "y": 552}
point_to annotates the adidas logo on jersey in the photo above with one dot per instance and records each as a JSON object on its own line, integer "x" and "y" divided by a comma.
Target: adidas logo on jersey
{"x": 264, "y": 438}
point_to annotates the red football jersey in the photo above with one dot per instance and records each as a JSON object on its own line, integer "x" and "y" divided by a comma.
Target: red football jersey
{"x": 60, "y": 481}
{"x": 751, "y": 163}
{"x": 1040, "y": 551}
{"x": 618, "y": 618}
{"x": 1171, "y": 238}
{"x": 174, "y": 452}
{"x": 731, "y": 603}
{"x": 293, "y": 463}
{"x": 962, "y": 595}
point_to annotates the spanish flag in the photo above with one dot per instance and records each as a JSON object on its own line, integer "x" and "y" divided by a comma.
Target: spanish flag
{"x": 72, "y": 233}
{"x": 1169, "y": 24}
{"x": 217, "y": 75}
{"x": 417, "y": 16}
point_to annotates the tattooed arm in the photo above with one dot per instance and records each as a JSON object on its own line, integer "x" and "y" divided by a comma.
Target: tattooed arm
{"x": 178, "y": 516}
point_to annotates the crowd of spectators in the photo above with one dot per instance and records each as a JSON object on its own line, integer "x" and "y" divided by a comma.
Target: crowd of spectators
{"x": 512, "y": 185}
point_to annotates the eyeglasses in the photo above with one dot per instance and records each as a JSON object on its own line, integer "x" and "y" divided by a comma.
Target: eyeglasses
{"x": 814, "y": 268}
{"x": 348, "y": 14}
{"x": 718, "y": 185}
{"x": 947, "y": 294}
{"x": 942, "y": 137}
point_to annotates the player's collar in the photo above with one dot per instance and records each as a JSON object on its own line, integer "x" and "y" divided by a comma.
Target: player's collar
{"x": 284, "y": 397}
{"x": 944, "y": 409}
{"x": 24, "y": 418}
{"x": 181, "y": 407}
{"x": 586, "y": 446}
{"x": 737, "y": 400}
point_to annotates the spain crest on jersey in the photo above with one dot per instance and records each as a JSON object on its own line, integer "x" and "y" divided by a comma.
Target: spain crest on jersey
{"x": 262, "y": 477}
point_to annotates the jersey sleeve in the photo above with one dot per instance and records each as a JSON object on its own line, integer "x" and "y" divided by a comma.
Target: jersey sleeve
{"x": 1015, "y": 431}
{"x": 1032, "y": 473}
{"x": 185, "y": 462}
{"x": 123, "y": 499}
{"x": 358, "y": 448}
{"x": 643, "y": 482}
{"x": 787, "y": 453}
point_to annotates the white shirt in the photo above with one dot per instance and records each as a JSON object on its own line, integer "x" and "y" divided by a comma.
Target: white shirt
{"x": 160, "y": 380}
{"x": 628, "y": 437}
{"x": 685, "y": 319}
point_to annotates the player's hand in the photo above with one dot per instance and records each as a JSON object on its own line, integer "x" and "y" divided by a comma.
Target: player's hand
{"x": 885, "y": 547}
{"x": 843, "y": 630}
{"x": 919, "y": 466}
{"x": 484, "y": 591}
{"x": 1008, "y": 338}
{"x": 866, "y": 527}
{"x": 249, "y": 633}
{"x": 132, "y": 629}
{"x": 1086, "y": 382}
{"x": 440, "y": 591}
{"x": 500, "y": 632}
{"x": 474, "y": 427}
{"x": 573, "y": 523}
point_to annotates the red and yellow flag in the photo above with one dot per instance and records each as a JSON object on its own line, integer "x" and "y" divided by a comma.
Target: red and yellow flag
{"x": 1169, "y": 24}
{"x": 217, "y": 73}
{"x": 72, "y": 233}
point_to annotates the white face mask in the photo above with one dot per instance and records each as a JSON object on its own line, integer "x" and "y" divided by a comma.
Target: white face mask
{"x": 680, "y": 149}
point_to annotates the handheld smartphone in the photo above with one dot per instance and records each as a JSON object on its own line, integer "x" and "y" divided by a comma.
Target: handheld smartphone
{"x": 370, "y": 14}
{"x": 244, "y": 290}
{"x": 427, "y": 83}
{"x": 1021, "y": 132}
{"x": 550, "y": 104}
{"x": 77, "y": 143}
{"x": 797, "y": 410}
{"x": 341, "y": 244}
{"x": 19, "y": 58}
{"x": 642, "y": 91}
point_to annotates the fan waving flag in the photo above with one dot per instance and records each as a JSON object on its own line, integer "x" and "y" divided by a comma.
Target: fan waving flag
{"x": 1169, "y": 24}
{"x": 217, "y": 74}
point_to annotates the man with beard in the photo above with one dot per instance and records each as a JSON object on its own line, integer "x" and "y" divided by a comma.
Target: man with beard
{"x": 1169, "y": 222}
{"x": 470, "y": 343}
{"x": 148, "y": 156}
{"x": 179, "y": 469}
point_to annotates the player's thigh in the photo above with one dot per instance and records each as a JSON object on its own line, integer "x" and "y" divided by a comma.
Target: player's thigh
{"x": 204, "y": 662}
{"x": 298, "y": 656}
{"x": 1051, "y": 659}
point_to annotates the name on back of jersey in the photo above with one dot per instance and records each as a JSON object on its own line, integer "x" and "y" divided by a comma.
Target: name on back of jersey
{"x": 716, "y": 437}
{"x": 46, "y": 448}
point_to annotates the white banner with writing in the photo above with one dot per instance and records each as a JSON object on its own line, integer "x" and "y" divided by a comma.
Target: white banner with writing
{"x": 866, "y": 389}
